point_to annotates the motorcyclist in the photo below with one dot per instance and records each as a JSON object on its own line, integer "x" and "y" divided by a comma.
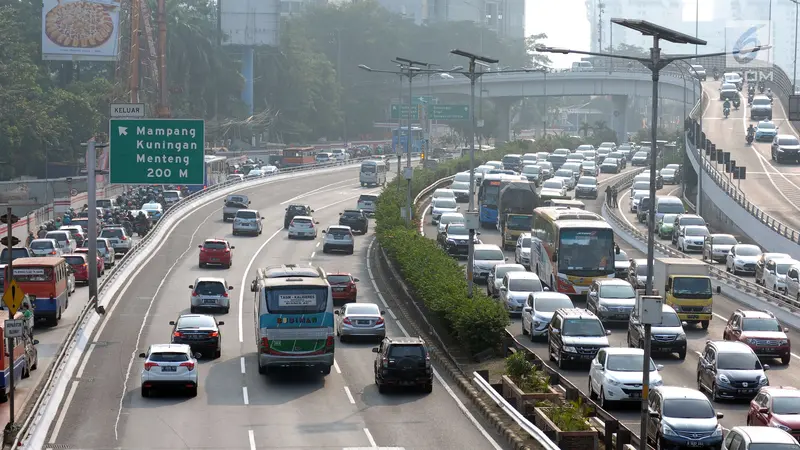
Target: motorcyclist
{"x": 726, "y": 106}
{"x": 736, "y": 102}
{"x": 751, "y": 130}
{"x": 67, "y": 219}
{"x": 30, "y": 239}
{"x": 42, "y": 232}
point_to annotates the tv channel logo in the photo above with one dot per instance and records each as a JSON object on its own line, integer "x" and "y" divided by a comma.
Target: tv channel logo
{"x": 744, "y": 37}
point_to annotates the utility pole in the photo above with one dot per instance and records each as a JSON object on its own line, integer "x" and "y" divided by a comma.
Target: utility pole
{"x": 163, "y": 102}
{"x": 91, "y": 187}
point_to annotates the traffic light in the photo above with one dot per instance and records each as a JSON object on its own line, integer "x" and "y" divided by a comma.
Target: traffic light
{"x": 12, "y": 219}
{"x": 14, "y": 241}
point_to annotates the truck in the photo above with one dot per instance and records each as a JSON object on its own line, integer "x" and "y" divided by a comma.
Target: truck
{"x": 515, "y": 206}
{"x": 686, "y": 285}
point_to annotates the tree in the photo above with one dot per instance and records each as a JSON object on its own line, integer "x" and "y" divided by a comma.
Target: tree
{"x": 537, "y": 60}
{"x": 584, "y": 128}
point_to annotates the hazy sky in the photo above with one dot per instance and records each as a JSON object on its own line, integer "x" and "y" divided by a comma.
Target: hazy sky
{"x": 565, "y": 26}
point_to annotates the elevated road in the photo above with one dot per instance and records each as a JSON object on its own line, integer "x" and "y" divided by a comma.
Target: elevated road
{"x": 236, "y": 408}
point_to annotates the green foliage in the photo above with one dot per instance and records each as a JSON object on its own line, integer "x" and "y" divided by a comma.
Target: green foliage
{"x": 525, "y": 375}
{"x": 568, "y": 416}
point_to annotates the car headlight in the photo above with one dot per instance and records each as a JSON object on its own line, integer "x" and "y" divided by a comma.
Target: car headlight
{"x": 602, "y": 307}
{"x": 774, "y": 424}
{"x": 570, "y": 349}
{"x": 784, "y": 342}
{"x": 613, "y": 382}
{"x": 723, "y": 378}
{"x": 763, "y": 380}
{"x": 681, "y": 337}
{"x": 657, "y": 383}
{"x": 738, "y": 262}
{"x": 706, "y": 309}
{"x": 451, "y": 241}
{"x": 667, "y": 431}
{"x": 717, "y": 431}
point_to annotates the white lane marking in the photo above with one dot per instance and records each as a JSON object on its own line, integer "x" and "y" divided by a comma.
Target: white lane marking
{"x": 391, "y": 313}
{"x": 422, "y": 222}
{"x": 349, "y": 395}
{"x": 244, "y": 395}
{"x": 314, "y": 191}
{"x": 619, "y": 202}
{"x": 144, "y": 320}
{"x": 244, "y": 280}
{"x": 371, "y": 439}
{"x": 63, "y": 415}
{"x": 336, "y": 367}
{"x": 317, "y": 244}
{"x": 85, "y": 361}
{"x": 313, "y": 253}
{"x": 252, "y": 438}
{"x": 241, "y": 363}
{"x": 674, "y": 190}
{"x": 383, "y": 301}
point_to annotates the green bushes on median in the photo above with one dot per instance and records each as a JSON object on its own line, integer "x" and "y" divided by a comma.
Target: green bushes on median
{"x": 436, "y": 279}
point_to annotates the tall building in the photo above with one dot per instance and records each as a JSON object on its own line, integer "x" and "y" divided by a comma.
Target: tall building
{"x": 292, "y": 7}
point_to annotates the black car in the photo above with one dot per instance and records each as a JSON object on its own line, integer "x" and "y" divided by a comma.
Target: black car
{"x": 198, "y": 331}
{"x": 666, "y": 338}
{"x": 761, "y": 108}
{"x": 295, "y": 210}
{"x": 643, "y": 209}
{"x": 403, "y": 361}
{"x": 785, "y": 147}
{"x": 455, "y": 239}
{"x": 355, "y": 219}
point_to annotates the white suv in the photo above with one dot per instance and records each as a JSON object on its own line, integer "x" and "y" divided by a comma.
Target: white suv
{"x": 616, "y": 375}
{"x": 303, "y": 226}
{"x": 338, "y": 237}
{"x": 247, "y": 221}
{"x": 169, "y": 366}
{"x": 119, "y": 238}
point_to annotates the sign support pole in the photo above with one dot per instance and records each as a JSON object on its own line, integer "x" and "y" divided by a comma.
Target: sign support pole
{"x": 11, "y": 427}
{"x": 91, "y": 187}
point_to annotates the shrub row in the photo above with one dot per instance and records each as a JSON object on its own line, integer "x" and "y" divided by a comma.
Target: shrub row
{"x": 436, "y": 279}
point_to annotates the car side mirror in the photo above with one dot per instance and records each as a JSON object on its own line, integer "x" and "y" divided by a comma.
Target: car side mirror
{"x": 220, "y": 323}
{"x": 340, "y": 214}
{"x": 233, "y": 247}
{"x": 191, "y": 286}
{"x": 336, "y": 312}
{"x": 200, "y": 246}
{"x": 254, "y": 286}
{"x": 312, "y": 210}
{"x": 503, "y": 289}
{"x": 477, "y": 233}
{"x": 383, "y": 312}
{"x": 376, "y": 350}
{"x": 356, "y": 280}
{"x": 555, "y": 257}
{"x": 35, "y": 342}
{"x": 142, "y": 355}
{"x": 608, "y": 332}
{"x": 766, "y": 367}
{"x": 654, "y": 414}
{"x": 527, "y": 309}
{"x": 324, "y": 231}
{"x": 720, "y": 415}
{"x": 555, "y": 331}
{"x": 785, "y": 330}
{"x": 659, "y": 367}
{"x": 248, "y": 202}
{"x": 763, "y": 410}
{"x": 546, "y": 289}
{"x": 505, "y": 259}
{"x": 316, "y": 223}
{"x": 261, "y": 218}
{"x": 286, "y": 209}
{"x": 230, "y": 288}
{"x": 172, "y": 322}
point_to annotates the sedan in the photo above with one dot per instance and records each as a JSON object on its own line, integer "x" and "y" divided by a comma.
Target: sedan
{"x": 766, "y": 131}
{"x": 586, "y": 188}
{"x": 670, "y": 176}
{"x": 198, "y": 331}
{"x": 360, "y": 320}
{"x": 728, "y": 91}
{"x": 533, "y": 174}
{"x": 742, "y": 259}
{"x": 609, "y": 165}
{"x": 717, "y": 246}
{"x": 640, "y": 159}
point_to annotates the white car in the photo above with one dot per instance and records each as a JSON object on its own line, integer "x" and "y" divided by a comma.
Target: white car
{"x": 495, "y": 278}
{"x": 45, "y": 247}
{"x": 485, "y": 257}
{"x": 775, "y": 274}
{"x": 522, "y": 254}
{"x": 590, "y": 168}
{"x": 234, "y": 177}
{"x": 210, "y": 293}
{"x": 247, "y": 221}
{"x": 269, "y": 170}
{"x": 742, "y": 259}
{"x": 539, "y": 309}
{"x": 441, "y": 206}
{"x": 546, "y": 168}
{"x": 255, "y": 173}
{"x": 554, "y": 187}
{"x": 516, "y": 288}
{"x": 718, "y": 246}
{"x": 615, "y": 375}
{"x": 169, "y": 366}
{"x": 338, "y": 238}
{"x": 692, "y": 238}
{"x": 107, "y": 250}
{"x": 120, "y": 241}
{"x": 568, "y": 176}
{"x": 303, "y": 227}
{"x": 443, "y": 193}
{"x": 65, "y": 240}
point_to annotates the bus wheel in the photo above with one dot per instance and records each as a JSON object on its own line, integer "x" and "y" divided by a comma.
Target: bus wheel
{"x": 326, "y": 370}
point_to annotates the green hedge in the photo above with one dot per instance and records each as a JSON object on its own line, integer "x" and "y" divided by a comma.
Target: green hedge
{"x": 435, "y": 278}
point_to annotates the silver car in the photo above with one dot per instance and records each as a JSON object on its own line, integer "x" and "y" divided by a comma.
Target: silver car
{"x": 611, "y": 299}
{"x": 516, "y": 288}
{"x": 441, "y": 206}
{"x": 360, "y": 320}
{"x": 247, "y": 221}
{"x": 45, "y": 247}
{"x": 485, "y": 257}
{"x": 338, "y": 238}
{"x": 107, "y": 250}
{"x": 169, "y": 366}
{"x": 539, "y": 309}
{"x": 210, "y": 293}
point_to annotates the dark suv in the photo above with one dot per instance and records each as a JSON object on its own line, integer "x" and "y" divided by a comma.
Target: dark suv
{"x": 355, "y": 219}
{"x": 403, "y": 362}
{"x": 295, "y": 210}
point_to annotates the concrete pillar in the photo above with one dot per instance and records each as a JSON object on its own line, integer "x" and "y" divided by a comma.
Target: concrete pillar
{"x": 502, "y": 106}
{"x": 620, "y": 117}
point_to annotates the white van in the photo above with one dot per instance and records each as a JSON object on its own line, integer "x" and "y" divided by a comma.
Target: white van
{"x": 373, "y": 173}
{"x": 669, "y": 205}
{"x": 582, "y": 66}
{"x": 339, "y": 154}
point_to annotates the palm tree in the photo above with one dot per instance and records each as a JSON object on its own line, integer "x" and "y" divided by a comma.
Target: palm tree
{"x": 600, "y": 125}
{"x": 584, "y": 128}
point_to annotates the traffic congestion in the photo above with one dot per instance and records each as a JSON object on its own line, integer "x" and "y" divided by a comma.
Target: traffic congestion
{"x": 569, "y": 285}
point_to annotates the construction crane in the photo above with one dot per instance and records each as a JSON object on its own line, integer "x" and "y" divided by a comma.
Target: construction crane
{"x": 141, "y": 73}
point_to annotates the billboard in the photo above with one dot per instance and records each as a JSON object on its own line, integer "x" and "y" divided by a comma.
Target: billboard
{"x": 748, "y": 34}
{"x": 250, "y": 22}
{"x": 80, "y": 30}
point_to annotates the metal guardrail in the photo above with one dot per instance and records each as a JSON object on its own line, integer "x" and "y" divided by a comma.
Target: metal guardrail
{"x": 734, "y": 281}
{"x": 512, "y": 412}
{"x": 59, "y": 362}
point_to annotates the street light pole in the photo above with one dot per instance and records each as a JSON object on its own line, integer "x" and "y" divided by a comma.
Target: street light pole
{"x": 473, "y": 76}
{"x": 794, "y": 71}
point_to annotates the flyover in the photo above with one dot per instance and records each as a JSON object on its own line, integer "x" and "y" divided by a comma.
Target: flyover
{"x": 621, "y": 83}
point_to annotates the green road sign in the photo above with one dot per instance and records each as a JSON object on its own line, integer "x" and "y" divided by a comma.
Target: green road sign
{"x": 157, "y": 151}
{"x": 399, "y": 111}
{"x": 423, "y": 99}
{"x": 448, "y": 112}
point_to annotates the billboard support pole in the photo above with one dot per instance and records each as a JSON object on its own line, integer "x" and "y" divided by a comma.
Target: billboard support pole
{"x": 163, "y": 103}
{"x": 135, "y": 32}
{"x": 247, "y": 73}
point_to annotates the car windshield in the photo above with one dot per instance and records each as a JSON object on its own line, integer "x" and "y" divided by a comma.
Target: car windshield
{"x": 214, "y": 245}
{"x": 696, "y": 231}
{"x": 583, "y": 327}
{"x": 761, "y": 102}
{"x": 553, "y": 184}
{"x": 747, "y": 250}
{"x": 738, "y": 361}
{"x": 457, "y": 230}
{"x": 209, "y": 288}
{"x": 550, "y": 304}
{"x": 524, "y": 285}
{"x": 502, "y": 271}
{"x": 489, "y": 254}
{"x": 351, "y": 214}
{"x": 531, "y": 170}
{"x": 669, "y": 219}
{"x": 371, "y": 310}
{"x": 112, "y": 233}
{"x": 761, "y": 324}
{"x": 724, "y": 240}
{"x": 670, "y": 319}
{"x": 782, "y": 268}
{"x": 587, "y": 181}
{"x": 368, "y": 198}
{"x": 641, "y": 186}
{"x": 617, "y": 291}
{"x": 609, "y": 161}
{"x": 788, "y": 141}
{"x": 627, "y": 363}
{"x": 688, "y": 408}
{"x": 460, "y": 186}
{"x": 670, "y": 207}
{"x": 728, "y": 87}
{"x": 640, "y": 155}
{"x": 338, "y": 232}
{"x": 338, "y": 279}
{"x": 526, "y": 242}
{"x": 75, "y": 260}
{"x": 444, "y": 203}
{"x": 685, "y": 221}
{"x": 668, "y": 172}
{"x": 297, "y": 209}
{"x": 169, "y": 357}
{"x": 41, "y": 245}
{"x": 786, "y": 405}
{"x": 766, "y": 126}
{"x": 566, "y": 173}
{"x": 519, "y": 222}
{"x": 246, "y": 215}
{"x": 196, "y": 322}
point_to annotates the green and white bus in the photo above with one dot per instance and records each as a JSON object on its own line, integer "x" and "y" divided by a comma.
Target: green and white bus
{"x": 293, "y": 318}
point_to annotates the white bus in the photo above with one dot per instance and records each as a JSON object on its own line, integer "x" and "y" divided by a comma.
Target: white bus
{"x": 373, "y": 173}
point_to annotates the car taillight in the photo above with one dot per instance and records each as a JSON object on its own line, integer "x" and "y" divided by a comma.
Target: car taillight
{"x": 177, "y": 334}
{"x": 84, "y": 265}
{"x": 385, "y": 362}
{"x": 189, "y": 365}
{"x": 428, "y": 361}
{"x": 380, "y": 321}
{"x": 227, "y": 250}
{"x": 53, "y": 252}
{"x": 264, "y": 345}
{"x": 213, "y": 334}
{"x": 329, "y": 342}
{"x": 347, "y": 321}
{"x": 202, "y": 249}
{"x": 350, "y": 285}
{"x": 150, "y": 365}
{"x": 194, "y": 293}
{"x": 124, "y": 238}
{"x": 225, "y": 294}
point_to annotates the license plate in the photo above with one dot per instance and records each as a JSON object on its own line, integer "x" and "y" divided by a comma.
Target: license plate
{"x": 745, "y": 391}
{"x": 195, "y": 337}
{"x": 694, "y": 444}
{"x": 215, "y": 259}
{"x": 168, "y": 369}
{"x": 339, "y": 289}
{"x": 768, "y": 349}
{"x": 209, "y": 301}
{"x": 636, "y": 395}
{"x": 338, "y": 238}
{"x": 587, "y": 356}
{"x": 363, "y": 322}
{"x": 692, "y": 316}
{"x": 115, "y": 244}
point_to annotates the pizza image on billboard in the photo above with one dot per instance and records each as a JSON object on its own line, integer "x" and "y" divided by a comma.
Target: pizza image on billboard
{"x": 79, "y": 24}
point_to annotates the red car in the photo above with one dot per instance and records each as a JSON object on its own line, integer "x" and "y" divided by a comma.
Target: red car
{"x": 79, "y": 267}
{"x": 761, "y": 331}
{"x": 776, "y": 406}
{"x": 216, "y": 252}
{"x": 344, "y": 287}
{"x": 101, "y": 262}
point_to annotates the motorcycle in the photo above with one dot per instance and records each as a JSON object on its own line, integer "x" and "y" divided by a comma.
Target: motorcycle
{"x": 749, "y": 138}
{"x": 769, "y": 94}
{"x": 736, "y": 103}
{"x": 726, "y": 112}
{"x": 761, "y": 87}
{"x": 142, "y": 229}
{"x": 750, "y": 98}
{"x": 716, "y": 75}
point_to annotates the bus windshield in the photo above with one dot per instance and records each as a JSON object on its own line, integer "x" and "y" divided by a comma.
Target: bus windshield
{"x": 296, "y": 300}
{"x": 490, "y": 192}
{"x": 586, "y": 252}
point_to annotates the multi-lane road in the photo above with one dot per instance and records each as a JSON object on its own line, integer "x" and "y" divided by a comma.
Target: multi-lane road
{"x": 774, "y": 187}
{"x": 236, "y": 408}
{"x": 675, "y": 372}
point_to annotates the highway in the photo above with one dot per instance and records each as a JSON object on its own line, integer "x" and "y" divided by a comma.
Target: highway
{"x": 675, "y": 372}
{"x": 774, "y": 187}
{"x": 236, "y": 408}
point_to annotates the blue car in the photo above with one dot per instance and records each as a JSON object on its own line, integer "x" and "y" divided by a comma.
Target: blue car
{"x": 682, "y": 418}
{"x": 766, "y": 131}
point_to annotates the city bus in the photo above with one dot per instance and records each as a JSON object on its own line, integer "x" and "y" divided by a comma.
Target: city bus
{"x": 417, "y": 139}
{"x": 299, "y": 156}
{"x": 293, "y": 318}
{"x": 216, "y": 172}
{"x": 570, "y": 248}
{"x": 46, "y": 278}
{"x": 489, "y": 195}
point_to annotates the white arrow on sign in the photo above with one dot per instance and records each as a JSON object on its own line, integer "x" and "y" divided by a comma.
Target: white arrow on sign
{"x": 123, "y": 131}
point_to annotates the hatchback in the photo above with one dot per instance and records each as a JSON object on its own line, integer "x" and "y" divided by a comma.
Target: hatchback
{"x": 210, "y": 293}
{"x": 681, "y": 417}
{"x": 759, "y": 438}
{"x": 216, "y": 252}
{"x": 45, "y": 247}
{"x": 101, "y": 267}
{"x": 338, "y": 238}
{"x": 343, "y": 286}
{"x": 247, "y": 221}
{"x": 169, "y": 366}
{"x": 80, "y": 269}
{"x": 303, "y": 227}
{"x": 107, "y": 250}
{"x": 198, "y": 331}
